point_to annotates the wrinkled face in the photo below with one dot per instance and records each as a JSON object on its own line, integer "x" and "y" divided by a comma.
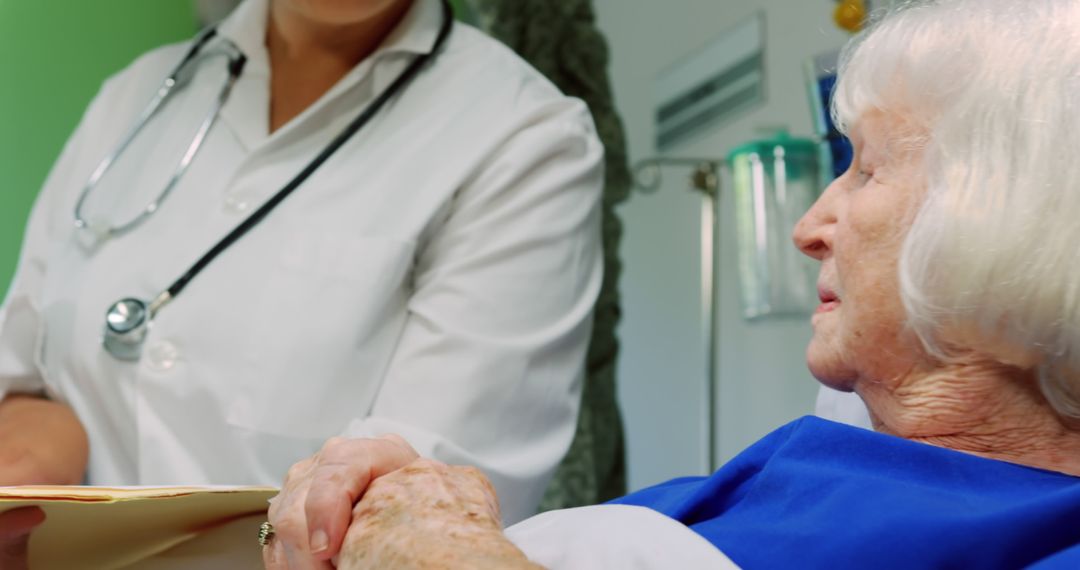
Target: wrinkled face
{"x": 856, "y": 230}
{"x": 339, "y": 12}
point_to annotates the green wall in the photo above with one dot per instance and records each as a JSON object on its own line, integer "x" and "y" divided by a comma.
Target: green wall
{"x": 54, "y": 54}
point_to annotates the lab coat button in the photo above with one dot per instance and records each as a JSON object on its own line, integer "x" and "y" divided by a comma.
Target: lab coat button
{"x": 236, "y": 205}
{"x": 162, "y": 356}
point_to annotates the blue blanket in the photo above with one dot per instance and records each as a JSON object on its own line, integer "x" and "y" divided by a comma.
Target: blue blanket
{"x": 818, "y": 494}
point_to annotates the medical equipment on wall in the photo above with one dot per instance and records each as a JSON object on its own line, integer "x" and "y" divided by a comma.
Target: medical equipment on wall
{"x": 774, "y": 182}
{"x": 705, "y": 179}
{"x": 128, "y": 321}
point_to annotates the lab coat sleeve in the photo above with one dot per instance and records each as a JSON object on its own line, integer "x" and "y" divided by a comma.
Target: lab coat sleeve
{"x": 21, "y": 327}
{"x": 20, "y": 316}
{"x": 21, "y": 319}
{"x": 489, "y": 367}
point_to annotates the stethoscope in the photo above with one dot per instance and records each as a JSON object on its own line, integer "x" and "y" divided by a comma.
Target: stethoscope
{"x": 127, "y": 322}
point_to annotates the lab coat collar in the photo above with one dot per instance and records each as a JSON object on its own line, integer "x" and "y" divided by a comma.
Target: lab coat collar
{"x": 418, "y": 29}
{"x": 416, "y": 33}
{"x": 246, "y": 28}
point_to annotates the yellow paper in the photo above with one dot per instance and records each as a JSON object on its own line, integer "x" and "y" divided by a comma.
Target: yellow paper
{"x": 102, "y": 528}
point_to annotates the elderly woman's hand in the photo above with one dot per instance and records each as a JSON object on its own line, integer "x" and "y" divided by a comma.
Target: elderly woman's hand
{"x": 430, "y": 516}
{"x": 313, "y": 510}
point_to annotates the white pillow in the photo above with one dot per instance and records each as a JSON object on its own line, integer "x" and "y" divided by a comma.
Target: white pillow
{"x": 614, "y": 536}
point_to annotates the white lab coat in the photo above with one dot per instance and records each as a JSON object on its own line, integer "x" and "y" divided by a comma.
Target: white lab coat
{"x": 434, "y": 279}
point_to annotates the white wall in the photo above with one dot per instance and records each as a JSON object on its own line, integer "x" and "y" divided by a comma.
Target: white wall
{"x": 762, "y": 381}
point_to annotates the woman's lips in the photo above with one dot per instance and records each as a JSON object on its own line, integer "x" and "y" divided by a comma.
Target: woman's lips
{"x": 829, "y": 300}
{"x": 827, "y": 306}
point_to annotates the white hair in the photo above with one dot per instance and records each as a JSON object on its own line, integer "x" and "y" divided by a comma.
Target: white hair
{"x": 994, "y": 87}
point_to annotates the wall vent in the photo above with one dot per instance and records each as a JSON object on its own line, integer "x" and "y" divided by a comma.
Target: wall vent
{"x": 720, "y": 82}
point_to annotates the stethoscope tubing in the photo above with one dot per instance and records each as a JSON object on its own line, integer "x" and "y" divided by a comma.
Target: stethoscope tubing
{"x": 351, "y": 129}
{"x": 236, "y": 65}
{"x": 128, "y": 320}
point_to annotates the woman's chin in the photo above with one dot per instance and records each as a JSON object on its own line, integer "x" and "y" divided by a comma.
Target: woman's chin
{"x": 828, "y": 368}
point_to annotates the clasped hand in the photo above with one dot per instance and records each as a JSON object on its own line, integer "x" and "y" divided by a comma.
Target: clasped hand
{"x": 374, "y": 503}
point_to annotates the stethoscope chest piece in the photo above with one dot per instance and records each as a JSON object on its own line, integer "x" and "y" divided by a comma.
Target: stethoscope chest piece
{"x": 127, "y": 323}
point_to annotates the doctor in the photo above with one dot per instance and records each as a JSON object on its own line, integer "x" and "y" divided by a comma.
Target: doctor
{"x": 434, "y": 276}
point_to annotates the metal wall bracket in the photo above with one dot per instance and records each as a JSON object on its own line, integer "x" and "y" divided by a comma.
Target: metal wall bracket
{"x": 705, "y": 177}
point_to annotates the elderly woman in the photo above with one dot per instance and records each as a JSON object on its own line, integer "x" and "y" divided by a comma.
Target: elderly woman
{"x": 950, "y": 303}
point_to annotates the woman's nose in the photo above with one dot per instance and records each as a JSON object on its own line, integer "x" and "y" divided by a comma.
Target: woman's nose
{"x": 813, "y": 233}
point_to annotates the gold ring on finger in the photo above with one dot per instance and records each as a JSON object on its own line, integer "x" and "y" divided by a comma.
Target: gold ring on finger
{"x": 266, "y": 532}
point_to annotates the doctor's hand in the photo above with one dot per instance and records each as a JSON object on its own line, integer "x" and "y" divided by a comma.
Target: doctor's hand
{"x": 15, "y": 528}
{"x": 314, "y": 509}
{"x": 42, "y": 442}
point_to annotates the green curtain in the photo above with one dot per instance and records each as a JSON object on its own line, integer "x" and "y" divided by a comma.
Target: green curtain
{"x": 560, "y": 38}
{"x": 54, "y": 54}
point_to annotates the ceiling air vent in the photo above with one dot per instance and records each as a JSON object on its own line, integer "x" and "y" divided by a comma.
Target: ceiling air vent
{"x": 719, "y": 82}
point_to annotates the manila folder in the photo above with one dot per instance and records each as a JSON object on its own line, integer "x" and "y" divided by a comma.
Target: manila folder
{"x": 104, "y": 528}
